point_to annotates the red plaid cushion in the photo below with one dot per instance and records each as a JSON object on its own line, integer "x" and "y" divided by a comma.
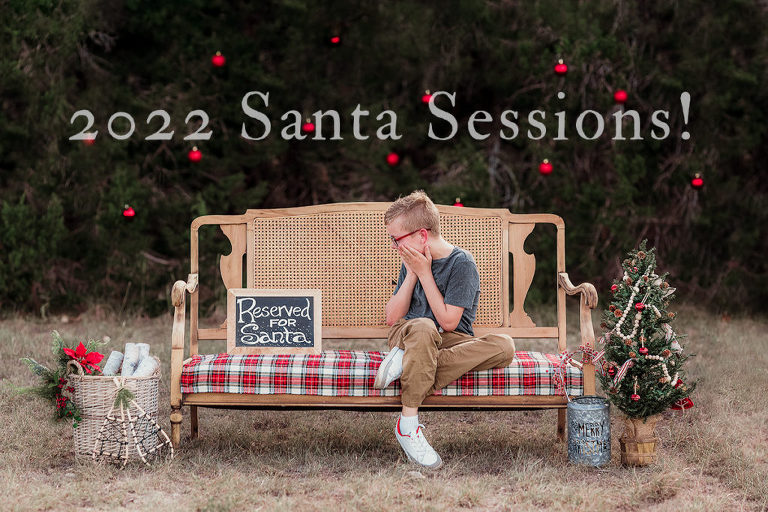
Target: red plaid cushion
{"x": 351, "y": 373}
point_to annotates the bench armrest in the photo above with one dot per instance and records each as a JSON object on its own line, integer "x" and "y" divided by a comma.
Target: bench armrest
{"x": 178, "y": 296}
{"x": 588, "y": 303}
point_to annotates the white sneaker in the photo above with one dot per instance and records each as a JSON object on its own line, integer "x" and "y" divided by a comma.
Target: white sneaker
{"x": 391, "y": 368}
{"x": 417, "y": 448}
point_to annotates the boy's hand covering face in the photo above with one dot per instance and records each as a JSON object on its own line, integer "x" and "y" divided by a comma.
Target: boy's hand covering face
{"x": 414, "y": 261}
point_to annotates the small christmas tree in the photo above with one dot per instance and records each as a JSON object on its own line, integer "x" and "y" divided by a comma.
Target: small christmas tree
{"x": 642, "y": 370}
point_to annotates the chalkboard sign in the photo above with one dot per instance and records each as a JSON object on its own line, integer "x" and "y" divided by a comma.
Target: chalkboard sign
{"x": 273, "y": 321}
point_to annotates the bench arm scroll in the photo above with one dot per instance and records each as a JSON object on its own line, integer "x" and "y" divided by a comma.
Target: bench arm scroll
{"x": 587, "y": 304}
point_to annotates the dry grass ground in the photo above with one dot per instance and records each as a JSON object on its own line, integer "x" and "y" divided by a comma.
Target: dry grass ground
{"x": 714, "y": 457}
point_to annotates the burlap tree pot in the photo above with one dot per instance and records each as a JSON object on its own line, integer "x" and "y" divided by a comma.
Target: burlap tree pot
{"x": 639, "y": 442}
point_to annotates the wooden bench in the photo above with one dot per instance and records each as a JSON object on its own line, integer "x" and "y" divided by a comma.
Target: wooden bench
{"x": 343, "y": 249}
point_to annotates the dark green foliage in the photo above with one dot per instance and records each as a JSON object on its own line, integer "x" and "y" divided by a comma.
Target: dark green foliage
{"x": 63, "y": 241}
{"x": 31, "y": 246}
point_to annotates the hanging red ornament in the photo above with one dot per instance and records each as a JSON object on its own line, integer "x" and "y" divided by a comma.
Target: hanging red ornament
{"x": 335, "y": 40}
{"x": 458, "y": 202}
{"x": 426, "y": 97}
{"x": 393, "y": 159}
{"x": 89, "y": 142}
{"x": 218, "y": 60}
{"x": 639, "y": 306}
{"x": 128, "y": 212}
{"x": 614, "y": 287}
{"x": 545, "y": 167}
{"x": 643, "y": 350}
{"x": 697, "y": 181}
{"x": 561, "y": 68}
{"x": 195, "y": 155}
{"x": 611, "y": 371}
{"x": 635, "y": 397}
{"x": 620, "y": 96}
{"x": 308, "y": 127}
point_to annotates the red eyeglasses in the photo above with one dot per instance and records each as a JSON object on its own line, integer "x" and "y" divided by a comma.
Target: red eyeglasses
{"x": 396, "y": 240}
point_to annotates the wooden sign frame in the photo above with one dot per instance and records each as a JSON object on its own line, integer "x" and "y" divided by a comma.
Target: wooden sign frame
{"x": 234, "y": 293}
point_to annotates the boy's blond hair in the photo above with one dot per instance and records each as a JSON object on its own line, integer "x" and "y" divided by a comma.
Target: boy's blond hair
{"x": 416, "y": 211}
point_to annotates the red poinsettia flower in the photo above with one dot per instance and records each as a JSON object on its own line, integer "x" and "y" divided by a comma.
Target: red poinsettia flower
{"x": 87, "y": 359}
{"x": 75, "y": 354}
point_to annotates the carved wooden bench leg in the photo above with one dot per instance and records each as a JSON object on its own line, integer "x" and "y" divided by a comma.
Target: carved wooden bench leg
{"x": 176, "y": 426}
{"x": 193, "y": 433}
{"x": 561, "y": 425}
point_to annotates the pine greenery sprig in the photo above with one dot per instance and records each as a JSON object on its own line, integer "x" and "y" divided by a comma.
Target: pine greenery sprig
{"x": 53, "y": 383}
{"x": 123, "y": 398}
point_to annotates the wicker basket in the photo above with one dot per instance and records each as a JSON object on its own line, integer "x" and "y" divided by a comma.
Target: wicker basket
{"x": 95, "y": 395}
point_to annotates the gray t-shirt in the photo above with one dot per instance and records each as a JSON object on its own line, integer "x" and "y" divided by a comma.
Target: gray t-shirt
{"x": 458, "y": 280}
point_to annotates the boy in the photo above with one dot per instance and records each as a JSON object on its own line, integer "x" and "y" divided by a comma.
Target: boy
{"x": 431, "y": 339}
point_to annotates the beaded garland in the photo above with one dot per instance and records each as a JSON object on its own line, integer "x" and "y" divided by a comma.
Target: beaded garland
{"x": 630, "y": 302}
{"x": 629, "y": 338}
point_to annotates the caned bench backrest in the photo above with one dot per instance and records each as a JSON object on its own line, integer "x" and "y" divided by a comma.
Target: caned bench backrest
{"x": 343, "y": 249}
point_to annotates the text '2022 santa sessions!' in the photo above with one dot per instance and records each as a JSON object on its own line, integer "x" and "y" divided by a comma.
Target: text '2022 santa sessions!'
{"x": 327, "y": 125}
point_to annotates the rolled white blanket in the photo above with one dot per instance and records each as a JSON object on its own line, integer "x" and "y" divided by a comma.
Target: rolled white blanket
{"x": 131, "y": 359}
{"x": 112, "y": 366}
{"x": 146, "y": 367}
{"x": 143, "y": 351}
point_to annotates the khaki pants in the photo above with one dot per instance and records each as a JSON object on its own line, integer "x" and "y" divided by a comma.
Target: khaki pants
{"x": 432, "y": 360}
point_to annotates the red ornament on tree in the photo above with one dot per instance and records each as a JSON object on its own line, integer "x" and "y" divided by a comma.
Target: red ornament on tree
{"x": 697, "y": 181}
{"x": 218, "y": 60}
{"x": 426, "y": 97}
{"x": 611, "y": 371}
{"x": 639, "y": 306}
{"x": 308, "y": 127}
{"x": 195, "y": 155}
{"x": 393, "y": 159}
{"x": 561, "y": 68}
{"x": 335, "y": 40}
{"x": 545, "y": 167}
{"x": 614, "y": 287}
{"x": 458, "y": 202}
{"x": 128, "y": 212}
{"x": 643, "y": 350}
{"x": 635, "y": 397}
{"x": 620, "y": 96}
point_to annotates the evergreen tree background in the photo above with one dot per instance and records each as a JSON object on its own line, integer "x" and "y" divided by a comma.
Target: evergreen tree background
{"x": 64, "y": 243}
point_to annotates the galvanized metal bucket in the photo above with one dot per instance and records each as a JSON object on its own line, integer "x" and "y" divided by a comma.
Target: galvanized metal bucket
{"x": 589, "y": 430}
